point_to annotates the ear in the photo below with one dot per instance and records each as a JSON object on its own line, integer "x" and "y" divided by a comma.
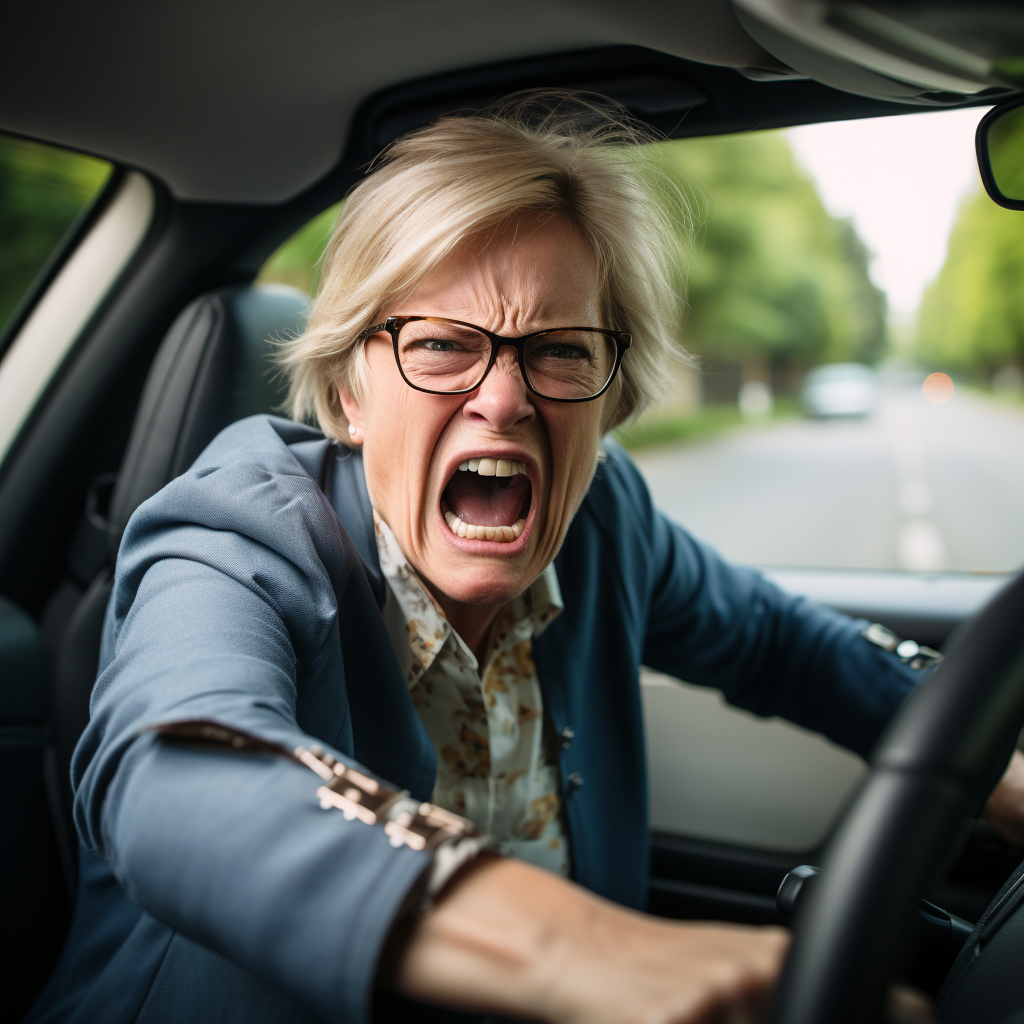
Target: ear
{"x": 353, "y": 413}
{"x": 351, "y": 408}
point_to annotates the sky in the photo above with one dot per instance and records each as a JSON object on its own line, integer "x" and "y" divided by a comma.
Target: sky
{"x": 901, "y": 179}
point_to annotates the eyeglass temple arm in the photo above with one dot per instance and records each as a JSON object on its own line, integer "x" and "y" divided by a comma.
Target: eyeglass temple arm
{"x": 370, "y": 331}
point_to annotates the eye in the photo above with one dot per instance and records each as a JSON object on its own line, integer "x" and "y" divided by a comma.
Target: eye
{"x": 442, "y": 345}
{"x": 560, "y": 350}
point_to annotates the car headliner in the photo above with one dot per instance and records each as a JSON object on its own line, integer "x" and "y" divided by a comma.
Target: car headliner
{"x": 253, "y": 102}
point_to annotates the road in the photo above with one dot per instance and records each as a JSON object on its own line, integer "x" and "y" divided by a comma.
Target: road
{"x": 915, "y": 486}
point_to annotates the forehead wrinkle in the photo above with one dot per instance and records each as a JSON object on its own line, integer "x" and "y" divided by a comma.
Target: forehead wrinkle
{"x": 496, "y": 285}
{"x": 526, "y": 302}
{"x": 486, "y": 300}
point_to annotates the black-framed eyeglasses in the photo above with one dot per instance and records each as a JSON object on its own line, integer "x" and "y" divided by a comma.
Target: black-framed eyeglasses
{"x": 450, "y": 357}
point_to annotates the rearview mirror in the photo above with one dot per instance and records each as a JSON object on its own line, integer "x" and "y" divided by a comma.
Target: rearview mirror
{"x": 1000, "y": 145}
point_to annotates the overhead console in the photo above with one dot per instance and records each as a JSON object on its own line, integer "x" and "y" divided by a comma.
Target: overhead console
{"x": 936, "y": 53}
{"x": 678, "y": 98}
{"x": 657, "y": 88}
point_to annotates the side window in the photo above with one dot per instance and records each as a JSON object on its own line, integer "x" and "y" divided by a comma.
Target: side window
{"x": 297, "y": 261}
{"x": 42, "y": 191}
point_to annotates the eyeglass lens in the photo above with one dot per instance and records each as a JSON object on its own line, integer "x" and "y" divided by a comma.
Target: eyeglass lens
{"x": 445, "y": 357}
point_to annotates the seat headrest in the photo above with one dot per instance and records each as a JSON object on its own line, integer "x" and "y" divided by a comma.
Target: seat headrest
{"x": 212, "y": 368}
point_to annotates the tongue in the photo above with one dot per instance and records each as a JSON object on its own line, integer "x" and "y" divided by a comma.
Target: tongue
{"x": 483, "y": 501}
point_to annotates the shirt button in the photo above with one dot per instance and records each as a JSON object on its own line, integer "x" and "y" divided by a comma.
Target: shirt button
{"x": 567, "y": 737}
{"x": 574, "y": 782}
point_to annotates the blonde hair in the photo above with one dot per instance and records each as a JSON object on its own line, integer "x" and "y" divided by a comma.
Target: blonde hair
{"x": 554, "y": 153}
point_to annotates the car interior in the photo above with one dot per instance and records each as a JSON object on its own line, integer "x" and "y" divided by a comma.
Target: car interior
{"x": 228, "y": 128}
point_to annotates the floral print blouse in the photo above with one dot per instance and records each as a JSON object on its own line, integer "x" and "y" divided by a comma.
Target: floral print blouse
{"x": 497, "y": 760}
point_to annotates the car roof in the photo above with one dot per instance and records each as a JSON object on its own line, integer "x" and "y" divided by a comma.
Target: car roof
{"x": 253, "y": 103}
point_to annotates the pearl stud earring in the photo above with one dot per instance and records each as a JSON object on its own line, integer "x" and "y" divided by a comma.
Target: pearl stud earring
{"x": 351, "y": 430}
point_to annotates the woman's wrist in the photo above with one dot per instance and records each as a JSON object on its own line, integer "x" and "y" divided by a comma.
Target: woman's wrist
{"x": 490, "y": 941}
{"x": 510, "y": 939}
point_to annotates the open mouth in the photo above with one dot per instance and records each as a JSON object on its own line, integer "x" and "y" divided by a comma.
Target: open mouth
{"x": 488, "y": 499}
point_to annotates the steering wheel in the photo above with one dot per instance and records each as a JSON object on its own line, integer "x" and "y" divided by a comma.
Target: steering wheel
{"x": 932, "y": 762}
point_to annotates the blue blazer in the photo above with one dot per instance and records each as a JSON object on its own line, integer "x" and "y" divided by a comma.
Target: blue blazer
{"x": 213, "y": 886}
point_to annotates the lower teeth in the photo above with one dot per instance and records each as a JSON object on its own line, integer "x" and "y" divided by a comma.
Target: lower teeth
{"x": 499, "y": 533}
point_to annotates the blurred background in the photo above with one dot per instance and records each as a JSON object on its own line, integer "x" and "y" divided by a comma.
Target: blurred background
{"x": 854, "y": 318}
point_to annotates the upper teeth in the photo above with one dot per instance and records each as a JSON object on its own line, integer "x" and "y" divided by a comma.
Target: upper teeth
{"x": 493, "y": 467}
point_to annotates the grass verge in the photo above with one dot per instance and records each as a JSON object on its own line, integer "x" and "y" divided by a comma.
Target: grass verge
{"x": 675, "y": 428}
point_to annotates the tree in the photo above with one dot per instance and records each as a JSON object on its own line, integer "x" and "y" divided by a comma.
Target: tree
{"x": 972, "y": 316}
{"x": 774, "y": 278}
{"x": 774, "y": 281}
{"x": 297, "y": 261}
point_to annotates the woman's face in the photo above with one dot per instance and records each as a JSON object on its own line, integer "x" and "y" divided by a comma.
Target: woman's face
{"x": 533, "y": 274}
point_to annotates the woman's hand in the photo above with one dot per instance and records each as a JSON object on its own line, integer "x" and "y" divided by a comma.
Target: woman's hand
{"x": 1005, "y": 807}
{"x": 511, "y": 939}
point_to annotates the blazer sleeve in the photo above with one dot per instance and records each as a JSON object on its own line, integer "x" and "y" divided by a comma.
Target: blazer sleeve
{"x": 773, "y": 653}
{"x": 219, "y": 609}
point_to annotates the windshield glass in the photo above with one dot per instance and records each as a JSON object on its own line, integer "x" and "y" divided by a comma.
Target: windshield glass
{"x": 855, "y": 318}
{"x": 868, "y": 250}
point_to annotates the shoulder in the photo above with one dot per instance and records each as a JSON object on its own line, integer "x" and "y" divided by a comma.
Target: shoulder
{"x": 618, "y": 501}
{"x": 249, "y": 479}
{"x": 618, "y": 481}
{"x": 616, "y": 521}
{"x": 251, "y": 501}
{"x": 267, "y": 444}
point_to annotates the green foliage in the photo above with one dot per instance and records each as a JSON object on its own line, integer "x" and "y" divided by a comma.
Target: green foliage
{"x": 676, "y": 427}
{"x": 297, "y": 261}
{"x": 772, "y": 273}
{"x": 972, "y": 316}
{"x": 42, "y": 190}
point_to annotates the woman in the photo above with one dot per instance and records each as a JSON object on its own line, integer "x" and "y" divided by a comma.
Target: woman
{"x": 448, "y": 591}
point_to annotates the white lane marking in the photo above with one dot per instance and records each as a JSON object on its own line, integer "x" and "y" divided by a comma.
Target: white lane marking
{"x": 914, "y": 497}
{"x": 919, "y": 546}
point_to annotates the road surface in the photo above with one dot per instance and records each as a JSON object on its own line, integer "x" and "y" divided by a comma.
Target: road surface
{"x": 915, "y": 486}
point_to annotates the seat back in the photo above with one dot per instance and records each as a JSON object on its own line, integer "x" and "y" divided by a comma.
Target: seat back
{"x": 213, "y": 367}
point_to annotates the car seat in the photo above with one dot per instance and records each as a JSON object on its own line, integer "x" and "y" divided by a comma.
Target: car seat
{"x": 213, "y": 367}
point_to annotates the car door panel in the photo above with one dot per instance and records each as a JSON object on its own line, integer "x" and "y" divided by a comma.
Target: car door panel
{"x": 36, "y": 908}
{"x": 736, "y": 801}
{"x": 722, "y": 774}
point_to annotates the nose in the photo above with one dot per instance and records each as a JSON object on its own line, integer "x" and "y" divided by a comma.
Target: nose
{"x": 502, "y": 401}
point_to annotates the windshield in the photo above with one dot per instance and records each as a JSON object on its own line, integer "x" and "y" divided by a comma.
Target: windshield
{"x": 855, "y": 397}
{"x": 856, "y": 306}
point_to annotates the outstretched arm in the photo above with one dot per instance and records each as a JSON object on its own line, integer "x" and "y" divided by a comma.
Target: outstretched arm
{"x": 233, "y": 850}
{"x": 726, "y": 626}
{"x": 512, "y": 939}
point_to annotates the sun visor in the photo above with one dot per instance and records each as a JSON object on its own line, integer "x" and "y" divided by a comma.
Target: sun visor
{"x": 930, "y": 55}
